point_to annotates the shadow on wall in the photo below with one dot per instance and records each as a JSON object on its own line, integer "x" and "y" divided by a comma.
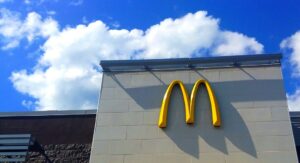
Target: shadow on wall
{"x": 202, "y": 136}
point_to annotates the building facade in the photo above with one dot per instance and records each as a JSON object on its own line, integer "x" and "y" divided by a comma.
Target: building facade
{"x": 240, "y": 115}
{"x": 295, "y": 120}
{"x": 61, "y": 136}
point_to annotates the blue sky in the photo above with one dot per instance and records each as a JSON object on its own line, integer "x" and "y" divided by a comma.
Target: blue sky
{"x": 41, "y": 38}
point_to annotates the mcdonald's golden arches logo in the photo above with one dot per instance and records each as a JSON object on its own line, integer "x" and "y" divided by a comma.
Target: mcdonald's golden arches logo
{"x": 189, "y": 103}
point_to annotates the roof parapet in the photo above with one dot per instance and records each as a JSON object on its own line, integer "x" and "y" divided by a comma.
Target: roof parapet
{"x": 191, "y": 63}
{"x": 47, "y": 113}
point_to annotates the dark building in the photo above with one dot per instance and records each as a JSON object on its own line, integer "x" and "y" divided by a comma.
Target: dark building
{"x": 295, "y": 120}
{"x": 64, "y": 136}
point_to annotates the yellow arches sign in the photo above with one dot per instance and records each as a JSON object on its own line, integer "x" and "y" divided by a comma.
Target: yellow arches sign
{"x": 189, "y": 103}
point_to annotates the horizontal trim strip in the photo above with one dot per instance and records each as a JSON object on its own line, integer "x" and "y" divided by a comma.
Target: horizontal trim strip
{"x": 19, "y": 141}
{"x": 190, "y": 63}
{"x": 13, "y": 153}
{"x": 13, "y": 148}
{"x": 47, "y": 113}
{"x": 14, "y": 136}
{"x": 12, "y": 159}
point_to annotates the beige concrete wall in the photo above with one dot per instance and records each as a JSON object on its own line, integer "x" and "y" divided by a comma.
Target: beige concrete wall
{"x": 255, "y": 123}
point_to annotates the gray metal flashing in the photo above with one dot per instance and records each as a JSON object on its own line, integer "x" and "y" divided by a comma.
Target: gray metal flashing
{"x": 190, "y": 63}
{"x": 47, "y": 113}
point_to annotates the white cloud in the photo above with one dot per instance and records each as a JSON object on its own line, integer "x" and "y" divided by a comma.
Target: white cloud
{"x": 294, "y": 101}
{"x": 195, "y": 34}
{"x": 181, "y": 37}
{"x": 293, "y": 43}
{"x": 66, "y": 75}
{"x": 233, "y": 43}
{"x": 13, "y": 29}
{"x": 292, "y": 46}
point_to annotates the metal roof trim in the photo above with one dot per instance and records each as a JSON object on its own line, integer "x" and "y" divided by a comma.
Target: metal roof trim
{"x": 47, "y": 113}
{"x": 188, "y": 63}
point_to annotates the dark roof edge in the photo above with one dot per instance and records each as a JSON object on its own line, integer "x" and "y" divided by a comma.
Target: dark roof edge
{"x": 47, "y": 113}
{"x": 207, "y": 62}
{"x": 294, "y": 114}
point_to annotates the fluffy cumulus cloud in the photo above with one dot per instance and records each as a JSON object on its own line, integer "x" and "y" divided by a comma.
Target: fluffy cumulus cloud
{"x": 233, "y": 43}
{"x": 294, "y": 101}
{"x": 292, "y": 46}
{"x": 293, "y": 43}
{"x": 67, "y": 77}
{"x": 195, "y": 34}
{"x": 13, "y": 29}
